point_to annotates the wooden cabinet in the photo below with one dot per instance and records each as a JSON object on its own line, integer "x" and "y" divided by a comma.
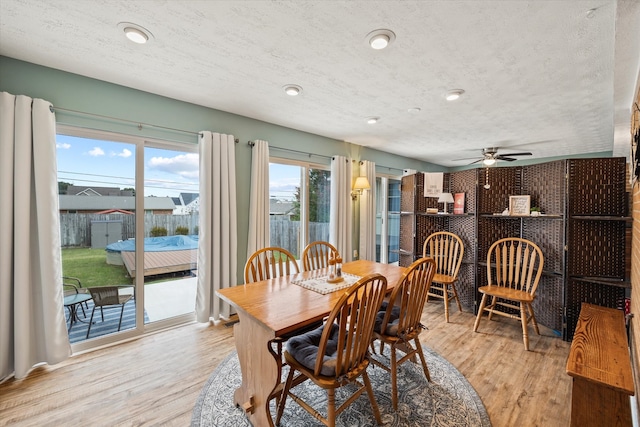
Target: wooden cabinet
{"x": 581, "y": 231}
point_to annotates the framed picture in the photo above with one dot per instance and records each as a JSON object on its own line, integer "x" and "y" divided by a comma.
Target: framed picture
{"x": 519, "y": 205}
{"x": 458, "y": 203}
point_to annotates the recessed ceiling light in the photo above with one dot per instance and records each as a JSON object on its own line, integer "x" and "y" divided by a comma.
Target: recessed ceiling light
{"x": 454, "y": 94}
{"x": 414, "y": 110}
{"x": 372, "y": 120}
{"x": 292, "y": 90}
{"x": 379, "y": 39}
{"x": 135, "y": 32}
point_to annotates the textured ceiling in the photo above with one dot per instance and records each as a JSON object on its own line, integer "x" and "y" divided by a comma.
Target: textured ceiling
{"x": 539, "y": 76}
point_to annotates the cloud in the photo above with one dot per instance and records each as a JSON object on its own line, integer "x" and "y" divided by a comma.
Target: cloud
{"x": 96, "y": 152}
{"x": 184, "y": 165}
{"x": 63, "y": 145}
{"x": 124, "y": 153}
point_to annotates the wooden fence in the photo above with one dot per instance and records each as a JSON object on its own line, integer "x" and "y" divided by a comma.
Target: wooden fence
{"x": 75, "y": 229}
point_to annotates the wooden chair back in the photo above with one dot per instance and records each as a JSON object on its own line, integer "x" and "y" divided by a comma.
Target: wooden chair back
{"x": 269, "y": 263}
{"x": 355, "y": 314}
{"x": 317, "y": 255}
{"x": 410, "y": 295}
{"x": 447, "y": 251}
{"x": 515, "y": 263}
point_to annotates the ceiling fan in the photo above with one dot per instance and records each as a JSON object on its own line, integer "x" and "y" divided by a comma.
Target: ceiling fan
{"x": 490, "y": 156}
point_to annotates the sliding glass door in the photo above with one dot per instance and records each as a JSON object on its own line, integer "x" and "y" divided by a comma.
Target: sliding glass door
{"x": 126, "y": 202}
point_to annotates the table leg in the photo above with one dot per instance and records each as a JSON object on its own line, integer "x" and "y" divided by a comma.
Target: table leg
{"x": 259, "y": 368}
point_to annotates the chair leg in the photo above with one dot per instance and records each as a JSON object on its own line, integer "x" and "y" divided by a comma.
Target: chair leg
{"x": 523, "y": 320}
{"x": 394, "y": 377}
{"x": 492, "y": 307}
{"x": 120, "y": 322}
{"x": 480, "y": 310}
{"x": 455, "y": 295}
{"x": 425, "y": 369}
{"x": 91, "y": 321}
{"x": 285, "y": 392}
{"x": 331, "y": 407}
{"x": 102, "y": 313}
{"x": 533, "y": 319}
{"x": 372, "y": 399}
{"x": 445, "y": 296}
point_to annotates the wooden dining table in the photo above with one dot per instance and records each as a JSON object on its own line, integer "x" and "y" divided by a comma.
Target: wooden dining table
{"x": 274, "y": 308}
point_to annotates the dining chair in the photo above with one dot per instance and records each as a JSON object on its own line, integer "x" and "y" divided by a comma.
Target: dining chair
{"x": 398, "y": 321}
{"x": 447, "y": 250}
{"x": 514, "y": 267}
{"x": 336, "y": 353}
{"x": 317, "y": 255}
{"x": 268, "y": 263}
{"x": 107, "y": 296}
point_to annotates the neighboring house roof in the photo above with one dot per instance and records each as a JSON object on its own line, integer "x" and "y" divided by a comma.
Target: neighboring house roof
{"x": 113, "y": 202}
{"x": 115, "y": 211}
{"x": 187, "y": 198}
{"x": 279, "y": 207}
{"x": 79, "y": 190}
{"x": 176, "y": 201}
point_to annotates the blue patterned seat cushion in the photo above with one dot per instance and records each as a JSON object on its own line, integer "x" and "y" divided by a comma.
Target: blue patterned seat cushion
{"x": 392, "y": 325}
{"x": 304, "y": 348}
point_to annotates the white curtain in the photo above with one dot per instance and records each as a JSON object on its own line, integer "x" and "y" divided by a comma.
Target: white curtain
{"x": 32, "y": 320}
{"x": 340, "y": 222}
{"x": 259, "y": 232}
{"x": 368, "y": 213}
{"x": 217, "y": 247}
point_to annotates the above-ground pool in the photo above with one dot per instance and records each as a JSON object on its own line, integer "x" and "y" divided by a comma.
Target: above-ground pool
{"x": 151, "y": 244}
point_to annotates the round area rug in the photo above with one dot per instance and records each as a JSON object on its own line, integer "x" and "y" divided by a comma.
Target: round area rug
{"x": 448, "y": 400}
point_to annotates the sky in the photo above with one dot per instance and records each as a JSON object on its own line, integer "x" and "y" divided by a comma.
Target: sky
{"x": 92, "y": 162}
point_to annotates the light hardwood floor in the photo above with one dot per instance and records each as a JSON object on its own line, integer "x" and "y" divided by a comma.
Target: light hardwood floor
{"x": 156, "y": 380}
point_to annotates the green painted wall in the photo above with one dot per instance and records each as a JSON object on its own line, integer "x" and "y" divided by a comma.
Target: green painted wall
{"x": 74, "y": 92}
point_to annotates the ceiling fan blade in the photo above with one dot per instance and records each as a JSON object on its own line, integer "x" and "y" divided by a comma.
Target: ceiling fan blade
{"x": 514, "y": 154}
{"x": 477, "y": 161}
{"x": 508, "y": 159}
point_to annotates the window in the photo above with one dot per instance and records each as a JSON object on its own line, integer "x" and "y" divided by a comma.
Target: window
{"x": 300, "y": 197}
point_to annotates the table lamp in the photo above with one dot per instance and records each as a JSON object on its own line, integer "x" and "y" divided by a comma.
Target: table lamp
{"x": 445, "y": 198}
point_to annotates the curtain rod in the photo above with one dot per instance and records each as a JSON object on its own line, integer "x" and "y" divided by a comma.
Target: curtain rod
{"x": 139, "y": 124}
{"x": 251, "y": 144}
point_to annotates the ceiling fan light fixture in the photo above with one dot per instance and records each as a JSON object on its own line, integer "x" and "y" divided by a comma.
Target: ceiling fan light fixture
{"x": 380, "y": 39}
{"x": 135, "y": 32}
{"x": 292, "y": 90}
{"x": 454, "y": 94}
{"x": 489, "y": 161}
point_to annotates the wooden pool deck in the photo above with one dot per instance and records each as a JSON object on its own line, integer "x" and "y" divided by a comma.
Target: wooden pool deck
{"x": 162, "y": 262}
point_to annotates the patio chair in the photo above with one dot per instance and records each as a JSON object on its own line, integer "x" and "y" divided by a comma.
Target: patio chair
{"x": 107, "y": 296}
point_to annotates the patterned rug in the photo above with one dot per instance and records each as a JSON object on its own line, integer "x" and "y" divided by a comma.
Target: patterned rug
{"x": 449, "y": 400}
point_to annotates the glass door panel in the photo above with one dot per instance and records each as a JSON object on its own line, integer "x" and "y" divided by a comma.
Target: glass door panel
{"x": 97, "y": 227}
{"x": 171, "y": 214}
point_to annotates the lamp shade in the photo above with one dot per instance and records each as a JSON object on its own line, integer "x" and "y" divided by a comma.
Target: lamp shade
{"x": 445, "y": 198}
{"x": 362, "y": 183}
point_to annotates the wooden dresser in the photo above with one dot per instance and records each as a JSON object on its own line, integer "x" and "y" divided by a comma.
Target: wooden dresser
{"x": 601, "y": 369}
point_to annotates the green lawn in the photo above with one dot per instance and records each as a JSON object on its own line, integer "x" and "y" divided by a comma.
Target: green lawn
{"x": 90, "y": 266}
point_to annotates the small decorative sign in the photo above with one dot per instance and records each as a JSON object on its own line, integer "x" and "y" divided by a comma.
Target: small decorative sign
{"x": 519, "y": 205}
